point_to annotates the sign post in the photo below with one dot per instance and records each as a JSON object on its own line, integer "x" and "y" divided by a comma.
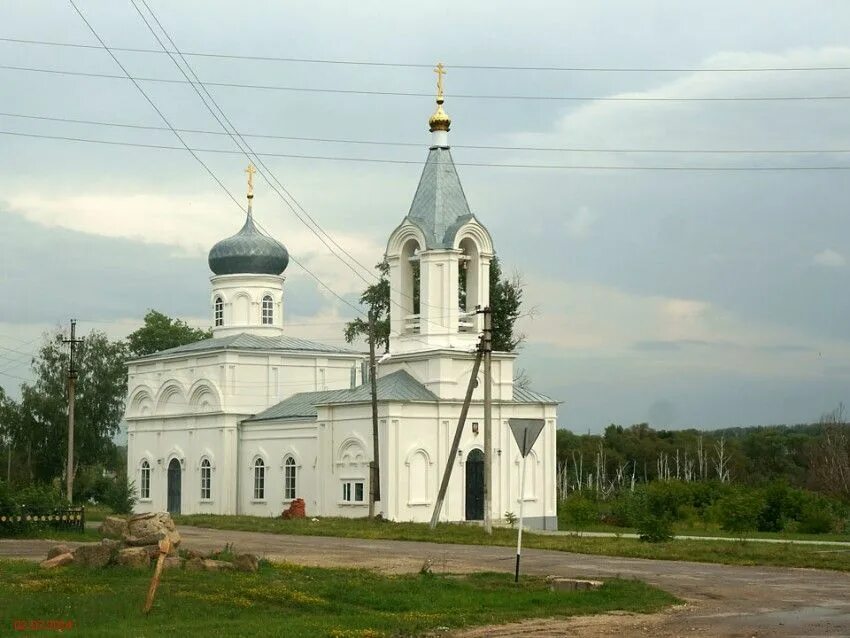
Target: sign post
{"x": 525, "y": 433}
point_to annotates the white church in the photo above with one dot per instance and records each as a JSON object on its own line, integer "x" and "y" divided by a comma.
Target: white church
{"x": 251, "y": 419}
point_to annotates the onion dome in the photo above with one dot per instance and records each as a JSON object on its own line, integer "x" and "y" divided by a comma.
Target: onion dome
{"x": 248, "y": 252}
{"x": 440, "y": 120}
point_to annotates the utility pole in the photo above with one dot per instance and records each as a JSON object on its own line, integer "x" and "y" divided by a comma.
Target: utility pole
{"x": 374, "y": 474}
{"x": 72, "y": 389}
{"x": 450, "y": 461}
{"x": 488, "y": 414}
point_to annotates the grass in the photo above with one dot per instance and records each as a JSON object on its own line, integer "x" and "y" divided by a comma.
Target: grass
{"x": 725, "y": 552}
{"x": 711, "y": 529}
{"x": 87, "y": 536}
{"x": 284, "y": 600}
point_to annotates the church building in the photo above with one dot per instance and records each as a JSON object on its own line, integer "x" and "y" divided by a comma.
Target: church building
{"x": 247, "y": 421}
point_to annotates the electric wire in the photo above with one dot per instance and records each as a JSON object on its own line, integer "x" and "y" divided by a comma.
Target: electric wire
{"x": 581, "y": 167}
{"x": 560, "y": 149}
{"x": 409, "y": 65}
{"x": 460, "y": 96}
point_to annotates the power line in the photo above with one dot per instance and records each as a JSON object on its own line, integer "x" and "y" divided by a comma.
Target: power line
{"x": 412, "y": 65}
{"x": 582, "y": 167}
{"x": 233, "y": 133}
{"x": 192, "y": 152}
{"x": 560, "y": 149}
{"x": 461, "y": 96}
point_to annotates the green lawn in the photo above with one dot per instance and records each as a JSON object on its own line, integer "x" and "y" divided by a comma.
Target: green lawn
{"x": 731, "y": 553}
{"x": 284, "y": 600}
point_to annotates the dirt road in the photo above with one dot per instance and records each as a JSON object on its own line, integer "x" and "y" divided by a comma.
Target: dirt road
{"x": 720, "y": 600}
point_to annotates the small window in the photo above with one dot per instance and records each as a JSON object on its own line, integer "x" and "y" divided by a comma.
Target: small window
{"x": 259, "y": 480}
{"x": 145, "y": 483}
{"x": 268, "y": 311}
{"x": 352, "y": 491}
{"x": 289, "y": 471}
{"x": 206, "y": 480}
{"x": 219, "y": 312}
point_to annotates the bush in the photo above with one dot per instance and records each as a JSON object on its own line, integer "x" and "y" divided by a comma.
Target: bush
{"x": 738, "y": 513}
{"x": 816, "y": 520}
{"x": 580, "y": 511}
{"x": 38, "y": 500}
{"x": 121, "y": 496}
{"x": 655, "y": 529}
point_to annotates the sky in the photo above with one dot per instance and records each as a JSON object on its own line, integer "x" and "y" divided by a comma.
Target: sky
{"x": 682, "y": 298}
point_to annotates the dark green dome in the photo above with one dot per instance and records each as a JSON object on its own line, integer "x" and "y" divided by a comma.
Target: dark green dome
{"x": 248, "y": 252}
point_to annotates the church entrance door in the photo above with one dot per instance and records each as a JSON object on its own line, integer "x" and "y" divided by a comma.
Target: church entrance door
{"x": 475, "y": 486}
{"x": 174, "y": 486}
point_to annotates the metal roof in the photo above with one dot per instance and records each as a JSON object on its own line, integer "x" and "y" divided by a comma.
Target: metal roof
{"x": 245, "y": 341}
{"x": 439, "y": 206}
{"x": 248, "y": 252}
{"x": 398, "y": 386}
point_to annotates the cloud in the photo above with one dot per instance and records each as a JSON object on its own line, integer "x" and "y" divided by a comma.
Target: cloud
{"x": 829, "y": 258}
{"x": 578, "y": 223}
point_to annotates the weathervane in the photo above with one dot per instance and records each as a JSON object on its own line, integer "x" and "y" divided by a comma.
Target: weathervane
{"x": 250, "y": 170}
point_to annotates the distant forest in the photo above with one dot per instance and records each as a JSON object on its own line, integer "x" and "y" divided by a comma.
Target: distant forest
{"x": 810, "y": 456}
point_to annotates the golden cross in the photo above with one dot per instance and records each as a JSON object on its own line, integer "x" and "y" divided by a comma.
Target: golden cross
{"x": 440, "y": 71}
{"x": 250, "y": 170}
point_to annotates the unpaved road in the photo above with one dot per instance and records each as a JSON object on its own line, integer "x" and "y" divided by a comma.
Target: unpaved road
{"x": 720, "y": 600}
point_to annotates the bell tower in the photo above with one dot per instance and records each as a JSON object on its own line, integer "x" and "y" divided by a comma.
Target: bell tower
{"x": 439, "y": 256}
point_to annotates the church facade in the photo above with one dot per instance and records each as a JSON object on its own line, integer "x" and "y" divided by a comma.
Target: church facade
{"x": 251, "y": 419}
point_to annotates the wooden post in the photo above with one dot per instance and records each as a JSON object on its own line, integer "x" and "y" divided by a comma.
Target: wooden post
{"x": 488, "y": 416}
{"x": 374, "y": 473}
{"x": 450, "y": 461}
{"x": 164, "y": 548}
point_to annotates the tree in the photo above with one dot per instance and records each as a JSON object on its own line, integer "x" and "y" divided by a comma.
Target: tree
{"x": 505, "y": 302}
{"x": 9, "y": 427}
{"x": 101, "y": 388}
{"x": 161, "y": 332}
{"x": 376, "y": 298}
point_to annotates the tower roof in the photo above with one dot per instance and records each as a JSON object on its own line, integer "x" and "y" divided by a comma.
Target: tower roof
{"x": 248, "y": 252}
{"x": 439, "y": 206}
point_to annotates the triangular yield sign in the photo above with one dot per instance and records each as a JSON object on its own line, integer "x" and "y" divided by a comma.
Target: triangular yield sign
{"x": 526, "y": 432}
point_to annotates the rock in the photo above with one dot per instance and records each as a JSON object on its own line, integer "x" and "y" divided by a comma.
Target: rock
{"x": 58, "y": 561}
{"x": 111, "y": 543}
{"x": 194, "y": 564}
{"x": 246, "y": 563}
{"x": 191, "y": 553}
{"x": 217, "y": 565}
{"x": 113, "y": 527}
{"x": 558, "y": 583}
{"x": 134, "y": 557}
{"x": 98, "y": 555}
{"x": 150, "y": 528}
{"x": 58, "y": 550}
{"x": 173, "y": 562}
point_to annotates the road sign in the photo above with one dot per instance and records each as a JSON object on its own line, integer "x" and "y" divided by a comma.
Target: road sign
{"x": 526, "y": 432}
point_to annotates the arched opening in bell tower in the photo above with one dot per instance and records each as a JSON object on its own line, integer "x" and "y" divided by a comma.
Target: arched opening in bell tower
{"x": 469, "y": 284}
{"x": 410, "y": 285}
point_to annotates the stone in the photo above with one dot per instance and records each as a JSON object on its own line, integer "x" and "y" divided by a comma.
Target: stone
{"x": 172, "y": 562}
{"x": 134, "y": 557}
{"x": 217, "y": 565}
{"x": 191, "y": 553}
{"x": 58, "y": 550}
{"x": 58, "y": 561}
{"x": 113, "y": 527}
{"x": 150, "y": 528}
{"x": 94, "y": 555}
{"x": 111, "y": 543}
{"x": 246, "y": 563}
{"x": 559, "y": 583}
{"x": 194, "y": 564}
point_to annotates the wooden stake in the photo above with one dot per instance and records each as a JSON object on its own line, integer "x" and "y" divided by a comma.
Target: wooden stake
{"x": 164, "y": 548}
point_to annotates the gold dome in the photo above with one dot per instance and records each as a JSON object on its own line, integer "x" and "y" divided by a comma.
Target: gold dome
{"x": 440, "y": 120}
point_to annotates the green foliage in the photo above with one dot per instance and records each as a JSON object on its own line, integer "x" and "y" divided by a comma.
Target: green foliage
{"x": 652, "y": 528}
{"x": 120, "y": 497}
{"x": 505, "y": 302}
{"x": 376, "y": 298}
{"x": 738, "y": 513}
{"x": 161, "y": 332}
{"x": 511, "y": 518}
{"x": 816, "y": 519}
{"x": 43, "y": 422}
{"x": 580, "y": 511}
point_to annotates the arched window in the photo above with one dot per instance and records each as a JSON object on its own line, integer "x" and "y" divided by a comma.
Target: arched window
{"x": 218, "y": 315}
{"x": 206, "y": 480}
{"x": 259, "y": 480}
{"x": 145, "y": 482}
{"x": 289, "y": 472}
{"x": 268, "y": 311}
